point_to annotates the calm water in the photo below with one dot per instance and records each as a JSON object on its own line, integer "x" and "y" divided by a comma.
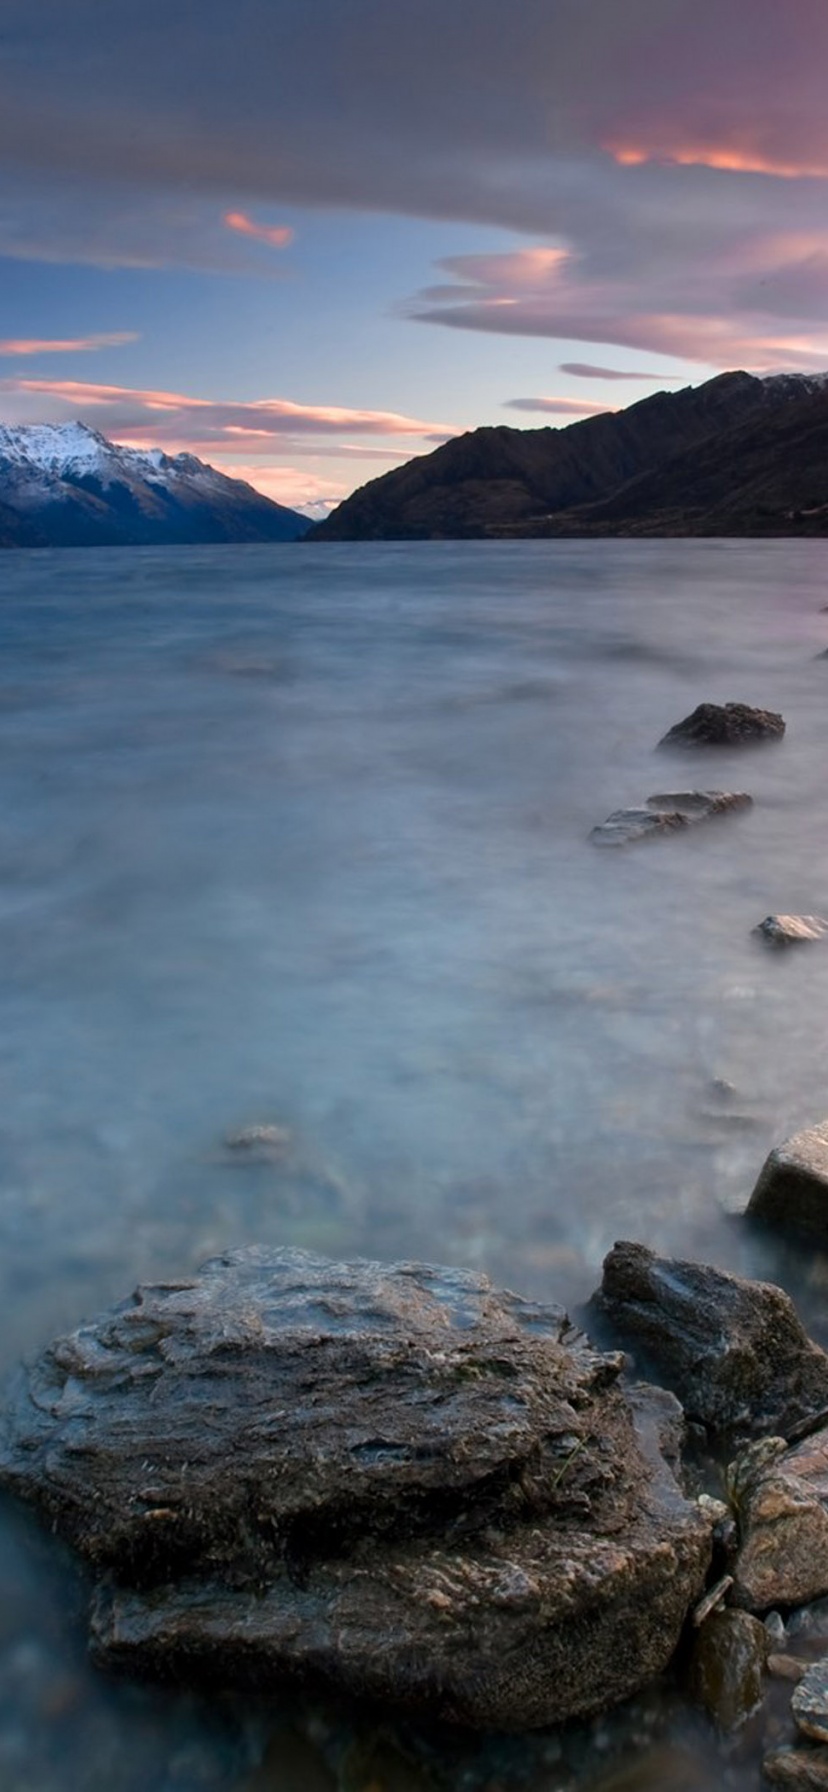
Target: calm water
{"x": 299, "y": 836}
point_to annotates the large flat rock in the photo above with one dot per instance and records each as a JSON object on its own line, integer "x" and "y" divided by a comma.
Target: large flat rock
{"x": 792, "y": 1190}
{"x": 393, "y": 1480}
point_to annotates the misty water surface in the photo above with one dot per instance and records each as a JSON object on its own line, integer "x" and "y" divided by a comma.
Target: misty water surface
{"x": 299, "y": 836}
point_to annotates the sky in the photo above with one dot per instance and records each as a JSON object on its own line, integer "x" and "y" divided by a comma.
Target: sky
{"x": 308, "y": 239}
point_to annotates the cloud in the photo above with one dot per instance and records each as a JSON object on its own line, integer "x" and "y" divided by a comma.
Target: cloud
{"x": 278, "y": 235}
{"x": 289, "y": 485}
{"x": 652, "y": 151}
{"x": 585, "y": 370}
{"x": 27, "y": 346}
{"x": 153, "y": 418}
{"x": 728, "y": 159}
{"x": 570, "y": 407}
{"x": 758, "y": 301}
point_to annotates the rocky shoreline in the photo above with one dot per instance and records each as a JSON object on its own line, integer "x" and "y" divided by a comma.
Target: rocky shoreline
{"x": 397, "y": 1484}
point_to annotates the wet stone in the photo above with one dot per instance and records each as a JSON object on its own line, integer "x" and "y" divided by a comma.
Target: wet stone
{"x": 792, "y": 1190}
{"x": 734, "y": 1351}
{"x": 724, "y": 725}
{"x": 804, "y": 1770}
{"x": 810, "y": 1702}
{"x": 260, "y": 1143}
{"x": 791, "y": 930}
{"x": 727, "y": 1667}
{"x": 782, "y": 1503}
{"x": 786, "y": 1667}
{"x": 663, "y": 814}
{"x": 392, "y": 1481}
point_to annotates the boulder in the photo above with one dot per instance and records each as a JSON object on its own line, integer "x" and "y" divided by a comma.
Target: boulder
{"x": 724, "y": 725}
{"x": 792, "y": 1190}
{"x": 664, "y": 813}
{"x": 734, "y": 1351}
{"x": 392, "y": 1481}
{"x": 781, "y": 1499}
{"x": 727, "y": 1667}
{"x": 790, "y": 930}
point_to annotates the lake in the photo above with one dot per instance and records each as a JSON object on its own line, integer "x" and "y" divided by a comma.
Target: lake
{"x": 298, "y": 837}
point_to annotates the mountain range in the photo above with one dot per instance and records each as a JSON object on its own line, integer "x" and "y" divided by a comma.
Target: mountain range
{"x": 64, "y": 485}
{"x": 738, "y": 455}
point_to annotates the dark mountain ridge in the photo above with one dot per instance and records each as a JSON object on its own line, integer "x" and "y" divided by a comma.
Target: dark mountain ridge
{"x": 736, "y": 455}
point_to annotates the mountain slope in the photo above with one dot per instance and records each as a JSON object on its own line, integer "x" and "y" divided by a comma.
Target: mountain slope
{"x": 605, "y": 473}
{"x": 64, "y": 485}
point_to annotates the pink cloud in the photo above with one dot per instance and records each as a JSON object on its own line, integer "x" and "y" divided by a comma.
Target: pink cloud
{"x": 32, "y": 345}
{"x": 568, "y": 407}
{"x": 288, "y": 485}
{"x": 277, "y": 235}
{"x": 754, "y": 299}
{"x": 160, "y": 415}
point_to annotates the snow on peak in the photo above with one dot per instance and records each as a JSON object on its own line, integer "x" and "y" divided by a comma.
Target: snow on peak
{"x": 49, "y": 451}
{"x": 797, "y": 382}
{"x": 53, "y": 447}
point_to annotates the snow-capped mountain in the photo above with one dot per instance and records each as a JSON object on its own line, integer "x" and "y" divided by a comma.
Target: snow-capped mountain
{"x": 63, "y": 484}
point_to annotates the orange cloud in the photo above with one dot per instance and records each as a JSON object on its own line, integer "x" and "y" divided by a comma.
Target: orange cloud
{"x": 152, "y": 418}
{"x": 33, "y": 345}
{"x": 266, "y": 416}
{"x": 730, "y": 159}
{"x": 277, "y": 235}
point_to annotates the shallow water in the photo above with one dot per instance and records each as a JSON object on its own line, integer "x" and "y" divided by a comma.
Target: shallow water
{"x": 300, "y": 836}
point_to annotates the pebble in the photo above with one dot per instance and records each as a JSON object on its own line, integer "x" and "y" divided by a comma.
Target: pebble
{"x": 810, "y": 1701}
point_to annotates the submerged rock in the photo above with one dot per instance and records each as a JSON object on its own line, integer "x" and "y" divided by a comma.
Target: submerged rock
{"x": 792, "y": 1190}
{"x": 724, "y": 725}
{"x": 262, "y": 1143}
{"x": 782, "y": 1504}
{"x": 391, "y": 1480}
{"x": 727, "y": 1667}
{"x": 734, "y": 1351}
{"x": 664, "y": 813}
{"x": 789, "y": 930}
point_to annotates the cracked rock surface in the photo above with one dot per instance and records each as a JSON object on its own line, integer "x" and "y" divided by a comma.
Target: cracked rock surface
{"x": 390, "y": 1480}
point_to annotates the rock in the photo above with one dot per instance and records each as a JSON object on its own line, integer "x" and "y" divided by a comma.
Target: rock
{"x": 806, "y": 1770}
{"x": 782, "y": 1504}
{"x": 390, "y": 1481}
{"x": 789, "y": 930}
{"x": 260, "y": 1143}
{"x": 786, "y": 1667}
{"x": 792, "y": 1190}
{"x": 733, "y": 1351}
{"x": 727, "y": 1667}
{"x": 666, "y": 812}
{"x": 810, "y": 1620}
{"x": 810, "y": 1702}
{"x": 625, "y": 825}
{"x": 714, "y": 1597}
{"x": 724, "y": 725}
